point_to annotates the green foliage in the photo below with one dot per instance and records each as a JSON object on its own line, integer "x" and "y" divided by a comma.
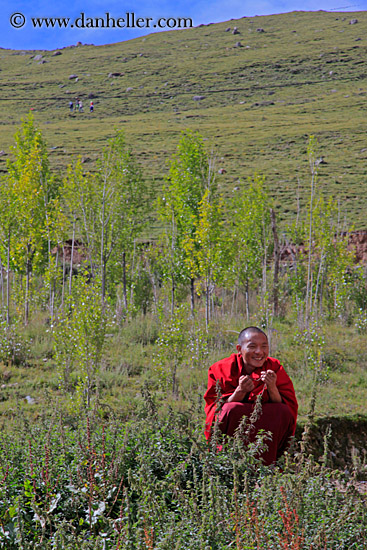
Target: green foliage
{"x": 80, "y": 338}
{"x": 179, "y": 205}
{"x": 322, "y": 263}
{"x": 171, "y": 346}
{"x": 361, "y": 321}
{"x": 154, "y": 483}
{"x": 33, "y": 192}
{"x": 250, "y": 234}
{"x": 14, "y": 346}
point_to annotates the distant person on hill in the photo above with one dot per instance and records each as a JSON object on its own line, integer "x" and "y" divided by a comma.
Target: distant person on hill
{"x": 76, "y": 106}
{"x": 71, "y": 106}
{"x": 80, "y": 106}
{"x": 242, "y": 377}
{"x": 91, "y": 107}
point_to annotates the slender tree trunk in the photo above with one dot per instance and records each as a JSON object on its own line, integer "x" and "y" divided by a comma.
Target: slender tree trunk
{"x": 124, "y": 284}
{"x": 234, "y": 299}
{"x": 63, "y": 275}
{"x": 153, "y": 283}
{"x": 207, "y": 306}
{"x": 173, "y": 288}
{"x": 52, "y": 296}
{"x": 319, "y": 274}
{"x": 103, "y": 253}
{"x": 49, "y": 257}
{"x": 132, "y": 276}
{"x": 276, "y": 265}
{"x": 71, "y": 257}
{"x": 192, "y": 290}
{"x": 8, "y": 282}
{"x": 2, "y": 282}
{"x": 264, "y": 278}
{"x": 103, "y": 281}
{"x": 28, "y": 274}
{"x": 247, "y": 300}
{"x": 309, "y": 271}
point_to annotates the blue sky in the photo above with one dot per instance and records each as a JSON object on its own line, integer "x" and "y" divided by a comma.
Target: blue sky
{"x": 202, "y": 11}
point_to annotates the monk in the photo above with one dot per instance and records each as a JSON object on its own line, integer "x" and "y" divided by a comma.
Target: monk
{"x": 242, "y": 377}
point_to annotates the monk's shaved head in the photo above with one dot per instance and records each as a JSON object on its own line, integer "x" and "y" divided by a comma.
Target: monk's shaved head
{"x": 245, "y": 334}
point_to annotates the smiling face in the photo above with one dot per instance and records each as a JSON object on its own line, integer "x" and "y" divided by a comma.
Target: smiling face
{"x": 254, "y": 350}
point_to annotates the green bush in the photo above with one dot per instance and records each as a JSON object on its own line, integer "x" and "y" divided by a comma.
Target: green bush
{"x": 153, "y": 482}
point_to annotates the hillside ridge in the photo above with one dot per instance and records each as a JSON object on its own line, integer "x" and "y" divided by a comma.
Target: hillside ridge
{"x": 255, "y": 96}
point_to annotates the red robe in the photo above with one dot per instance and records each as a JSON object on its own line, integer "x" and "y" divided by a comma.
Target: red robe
{"x": 228, "y": 372}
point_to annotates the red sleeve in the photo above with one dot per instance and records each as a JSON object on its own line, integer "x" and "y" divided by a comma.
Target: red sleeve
{"x": 285, "y": 387}
{"x": 227, "y": 373}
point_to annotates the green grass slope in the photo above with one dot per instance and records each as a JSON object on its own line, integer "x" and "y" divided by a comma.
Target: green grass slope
{"x": 295, "y": 74}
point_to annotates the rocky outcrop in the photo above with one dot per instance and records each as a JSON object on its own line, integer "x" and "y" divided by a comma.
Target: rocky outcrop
{"x": 357, "y": 244}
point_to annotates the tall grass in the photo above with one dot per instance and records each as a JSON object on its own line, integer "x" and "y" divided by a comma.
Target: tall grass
{"x": 153, "y": 482}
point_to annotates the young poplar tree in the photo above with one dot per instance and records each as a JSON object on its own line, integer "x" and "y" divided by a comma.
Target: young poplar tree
{"x": 251, "y": 235}
{"x": 80, "y": 339}
{"x": 179, "y": 205}
{"x": 113, "y": 205}
{"x": 330, "y": 260}
{"x": 34, "y": 189}
{"x": 320, "y": 272}
{"x": 8, "y": 231}
{"x": 207, "y": 251}
{"x": 72, "y": 193}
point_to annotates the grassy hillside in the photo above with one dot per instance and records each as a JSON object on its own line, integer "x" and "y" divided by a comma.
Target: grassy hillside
{"x": 296, "y": 74}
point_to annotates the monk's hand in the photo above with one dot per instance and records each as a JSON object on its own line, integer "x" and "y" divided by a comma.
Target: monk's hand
{"x": 246, "y": 384}
{"x": 269, "y": 378}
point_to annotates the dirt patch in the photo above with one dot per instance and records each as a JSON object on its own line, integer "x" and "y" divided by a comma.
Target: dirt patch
{"x": 347, "y": 442}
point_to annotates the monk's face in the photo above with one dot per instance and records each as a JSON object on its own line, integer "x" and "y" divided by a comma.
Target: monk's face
{"x": 254, "y": 351}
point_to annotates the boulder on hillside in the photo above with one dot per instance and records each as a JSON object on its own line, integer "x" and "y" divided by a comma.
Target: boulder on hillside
{"x": 228, "y": 29}
{"x": 56, "y": 53}
{"x": 73, "y": 76}
{"x": 238, "y": 45}
{"x": 260, "y": 30}
{"x": 198, "y": 97}
{"x": 353, "y": 21}
{"x": 235, "y": 31}
{"x": 115, "y": 75}
{"x": 38, "y": 57}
